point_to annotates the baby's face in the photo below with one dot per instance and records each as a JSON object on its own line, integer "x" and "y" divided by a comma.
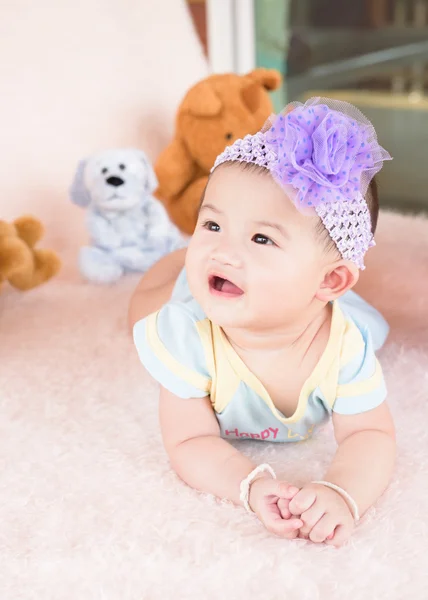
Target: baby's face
{"x": 254, "y": 260}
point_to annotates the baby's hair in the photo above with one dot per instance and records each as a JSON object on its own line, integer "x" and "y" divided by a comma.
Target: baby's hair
{"x": 372, "y": 199}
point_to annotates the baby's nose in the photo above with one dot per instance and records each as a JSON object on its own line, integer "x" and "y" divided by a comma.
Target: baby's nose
{"x": 227, "y": 255}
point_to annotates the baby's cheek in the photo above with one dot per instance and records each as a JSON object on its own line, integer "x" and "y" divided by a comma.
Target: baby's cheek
{"x": 191, "y": 262}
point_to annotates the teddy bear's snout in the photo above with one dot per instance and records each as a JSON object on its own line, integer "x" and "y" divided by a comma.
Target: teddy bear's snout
{"x": 115, "y": 181}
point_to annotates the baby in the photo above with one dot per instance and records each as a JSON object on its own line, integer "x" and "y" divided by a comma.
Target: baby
{"x": 259, "y": 336}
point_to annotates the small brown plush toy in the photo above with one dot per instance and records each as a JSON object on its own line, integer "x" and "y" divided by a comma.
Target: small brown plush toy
{"x": 20, "y": 264}
{"x": 213, "y": 114}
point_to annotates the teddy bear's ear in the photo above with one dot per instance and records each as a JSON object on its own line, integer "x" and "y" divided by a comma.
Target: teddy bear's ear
{"x": 202, "y": 101}
{"x": 79, "y": 193}
{"x": 251, "y": 96}
{"x": 270, "y": 79}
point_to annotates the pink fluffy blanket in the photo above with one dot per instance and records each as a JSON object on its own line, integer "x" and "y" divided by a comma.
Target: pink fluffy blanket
{"x": 90, "y": 508}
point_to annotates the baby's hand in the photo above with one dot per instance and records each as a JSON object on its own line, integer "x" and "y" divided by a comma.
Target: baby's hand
{"x": 325, "y": 514}
{"x": 264, "y": 498}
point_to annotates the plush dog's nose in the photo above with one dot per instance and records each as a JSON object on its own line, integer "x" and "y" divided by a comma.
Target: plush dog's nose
{"x": 115, "y": 181}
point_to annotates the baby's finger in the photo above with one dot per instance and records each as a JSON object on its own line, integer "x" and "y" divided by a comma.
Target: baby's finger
{"x": 323, "y": 529}
{"x": 302, "y": 501}
{"x": 288, "y": 529}
{"x": 340, "y": 536}
{"x": 286, "y": 490}
{"x": 283, "y": 508}
{"x": 311, "y": 517}
{"x": 279, "y": 489}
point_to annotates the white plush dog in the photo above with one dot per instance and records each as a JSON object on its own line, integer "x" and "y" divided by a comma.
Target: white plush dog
{"x": 129, "y": 228}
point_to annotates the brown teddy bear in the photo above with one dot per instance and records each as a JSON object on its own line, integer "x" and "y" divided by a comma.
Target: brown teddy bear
{"x": 213, "y": 114}
{"x": 20, "y": 264}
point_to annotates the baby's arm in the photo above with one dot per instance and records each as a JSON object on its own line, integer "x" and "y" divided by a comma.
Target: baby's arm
{"x": 155, "y": 287}
{"x": 210, "y": 464}
{"x": 364, "y": 460}
{"x": 362, "y": 466}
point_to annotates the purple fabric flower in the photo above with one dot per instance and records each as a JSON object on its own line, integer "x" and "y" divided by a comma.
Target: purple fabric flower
{"x": 322, "y": 153}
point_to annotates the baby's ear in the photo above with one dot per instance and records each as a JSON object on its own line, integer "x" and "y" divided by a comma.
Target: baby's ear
{"x": 79, "y": 193}
{"x": 339, "y": 279}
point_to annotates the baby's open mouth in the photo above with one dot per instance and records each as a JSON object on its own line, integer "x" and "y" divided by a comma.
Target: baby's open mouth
{"x": 224, "y": 287}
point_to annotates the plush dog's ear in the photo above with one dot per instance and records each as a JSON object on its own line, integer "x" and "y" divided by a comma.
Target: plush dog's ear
{"x": 78, "y": 192}
{"x": 151, "y": 179}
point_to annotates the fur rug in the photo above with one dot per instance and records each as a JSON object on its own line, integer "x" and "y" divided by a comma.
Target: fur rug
{"x": 90, "y": 509}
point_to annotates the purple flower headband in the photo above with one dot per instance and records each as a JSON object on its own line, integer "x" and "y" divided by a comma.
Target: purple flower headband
{"x": 323, "y": 154}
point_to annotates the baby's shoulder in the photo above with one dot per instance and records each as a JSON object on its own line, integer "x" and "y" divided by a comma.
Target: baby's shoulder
{"x": 176, "y": 324}
{"x": 354, "y": 382}
{"x": 357, "y": 354}
{"x": 184, "y": 314}
{"x": 365, "y": 323}
{"x": 169, "y": 344}
{"x": 354, "y": 340}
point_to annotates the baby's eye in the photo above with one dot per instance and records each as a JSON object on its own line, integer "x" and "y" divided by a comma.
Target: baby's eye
{"x": 259, "y": 238}
{"x": 211, "y": 226}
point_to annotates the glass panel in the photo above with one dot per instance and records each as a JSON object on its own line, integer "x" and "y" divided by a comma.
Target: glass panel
{"x": 373, "y": 53}
{"x": 272, "y": 38}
